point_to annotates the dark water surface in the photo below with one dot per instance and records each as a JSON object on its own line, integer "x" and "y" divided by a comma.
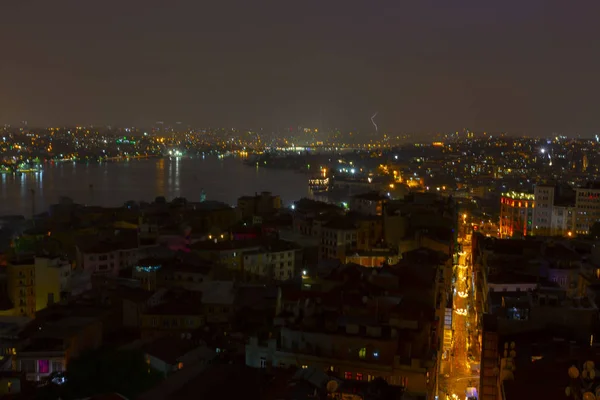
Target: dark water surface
{"x": 115, "y": 183}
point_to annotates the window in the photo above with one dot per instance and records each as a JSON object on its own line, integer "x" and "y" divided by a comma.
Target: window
{"x": 43, "y": 366}
{"x": 263, "y": 362}
{"x": 359, "y": 377}
{"x": 362, "y": 353}
{"x": 28, "y": 365}
{"x": 57, "y": 366}
{"x": 304, "y": 366}
{"x": 347, "y": 375}
{"x": 376, "y": 354}
{"x": 180, "y": 365}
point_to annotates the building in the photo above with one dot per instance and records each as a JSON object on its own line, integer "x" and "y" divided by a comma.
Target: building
{"x": 544, "y": 203}
{"x": 369, "y": 231}
{"x": 309, "y": 216}
{"x": 50, "y": 345}
{"x": 35, "y": 283}
{"x": 218, "y": 302}
{"x": 109, "y": 256}
{"x": 261, "y": 204}
{"x": 516, "y": 214}
{"x": 179, "y": 312}
{"x": 278, "y": 260}
{"x": 155, "y": 273}
{"x": 52, "y": 281}
{"x": 337, "y": 237}
{"x": 372, "y": 258}
{"x": 555, "y": 210}
{"x": 367, "y": 325}
{"x": 20, "y": 287}
{"x": 587, "y": 206}
{"x": 226, "y": 253}
{"x": 10, "y": 328}
{"x": 171, "y": 354}
{"x": 370, "y": 203}
{"x": 490, "y": 359}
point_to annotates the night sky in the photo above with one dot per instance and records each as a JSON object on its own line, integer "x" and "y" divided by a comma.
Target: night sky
{"x": 528, "y": 66}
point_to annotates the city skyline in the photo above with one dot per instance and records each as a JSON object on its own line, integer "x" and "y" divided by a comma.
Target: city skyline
{"x": 421, "y": 67}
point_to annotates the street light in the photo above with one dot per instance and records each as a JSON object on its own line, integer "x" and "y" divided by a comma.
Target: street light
{"x": 583, "y": 384}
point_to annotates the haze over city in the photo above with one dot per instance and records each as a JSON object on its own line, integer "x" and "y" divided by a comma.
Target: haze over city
{"x": 518, "y": 67}
{"x": 317, "y": 200}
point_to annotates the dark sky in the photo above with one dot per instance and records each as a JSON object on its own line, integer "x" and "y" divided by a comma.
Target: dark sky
{"x": 528, "y": 66}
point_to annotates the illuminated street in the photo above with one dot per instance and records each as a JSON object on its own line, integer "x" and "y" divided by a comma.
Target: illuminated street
{"x": 460, "y": 370}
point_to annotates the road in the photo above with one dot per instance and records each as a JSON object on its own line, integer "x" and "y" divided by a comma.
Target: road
{"x": 456, "y": 372}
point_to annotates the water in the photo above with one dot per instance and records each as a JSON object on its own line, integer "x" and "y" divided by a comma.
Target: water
{"x": 115, "y": 183}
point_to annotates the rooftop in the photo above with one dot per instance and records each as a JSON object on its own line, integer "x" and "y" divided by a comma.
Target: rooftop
{"x": 341, "y": 224}
{"x": 519, "y": 196}
{"x": 178, "y": 302}
{"x": 370, "y": 196}
{"x": 225, "y": 245}
{"x": 217, "y": 292}
{"x": 170, "y": 349}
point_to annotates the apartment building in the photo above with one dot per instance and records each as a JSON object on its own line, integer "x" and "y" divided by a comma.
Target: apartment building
{"x": 34, "y": 284}
{"x": 338, "y": 236}
{"x": 555, "y": 211}
{"x": 276, "y": 260}
{"x": 587, "y": 207}
{"x": 380, "y": 324}
{"x": 516, "y": 214}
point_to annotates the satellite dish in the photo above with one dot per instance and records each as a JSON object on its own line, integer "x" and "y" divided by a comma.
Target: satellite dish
{"x": 332, "y": 386}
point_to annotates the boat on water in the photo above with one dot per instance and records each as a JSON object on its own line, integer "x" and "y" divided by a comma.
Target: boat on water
{"x": 23, "y": 168}
{"x": 318, "y": 184}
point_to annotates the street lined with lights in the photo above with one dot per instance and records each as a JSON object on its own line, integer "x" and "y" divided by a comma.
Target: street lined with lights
{"x": 460, "y": 371}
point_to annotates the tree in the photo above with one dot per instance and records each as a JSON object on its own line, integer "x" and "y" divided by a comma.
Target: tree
{"x": 107, "y": 371}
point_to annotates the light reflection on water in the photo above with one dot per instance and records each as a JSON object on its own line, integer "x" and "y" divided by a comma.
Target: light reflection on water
{"x": 112, "y": 184}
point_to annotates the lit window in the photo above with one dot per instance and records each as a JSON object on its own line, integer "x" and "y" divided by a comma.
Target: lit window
{"x": 348, "y": 375}
{"x": 376, "y": 354}
{"x": 43, "y": 366}
{"x": 180, "y": 365}
{"x": 304, "y": 366}
{"x": 362, "y": 353}
{"x": 359, "y": 377}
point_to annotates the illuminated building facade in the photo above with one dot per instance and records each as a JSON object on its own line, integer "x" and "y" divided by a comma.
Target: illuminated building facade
{"x": 587, "y": 207}
{"x": 555, "y": 210}
{"x": 516, "y": 214}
